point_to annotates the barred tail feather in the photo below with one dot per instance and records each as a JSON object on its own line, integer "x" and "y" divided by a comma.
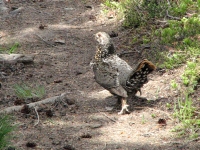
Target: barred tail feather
{"x": 139, "y": 76}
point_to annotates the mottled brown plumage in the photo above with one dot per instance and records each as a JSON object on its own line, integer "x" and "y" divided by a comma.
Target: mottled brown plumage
{"x": 115, "y": 74}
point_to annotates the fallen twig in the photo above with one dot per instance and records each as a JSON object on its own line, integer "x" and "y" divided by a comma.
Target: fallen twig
{"x": 136, "y": 51}
{"x": 107, "y": 116}
{"x": 45, "y": 41}
{"x": 124, "y": 53}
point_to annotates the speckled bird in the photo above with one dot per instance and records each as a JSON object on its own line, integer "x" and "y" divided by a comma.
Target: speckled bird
{"x": 115, "y": 74}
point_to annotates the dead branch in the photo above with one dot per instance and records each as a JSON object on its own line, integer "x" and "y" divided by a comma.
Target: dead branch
{"x": 37, "y": 116}
{"x": 107, "y": 116}
{"x": 125, "y": 53}
{"x": 44, "y": 40}
{"x": 135, "y": 51}
{"x": 16, "y": 58}
{"x": 172, "y": 17}
{"x": 45, "y": 101}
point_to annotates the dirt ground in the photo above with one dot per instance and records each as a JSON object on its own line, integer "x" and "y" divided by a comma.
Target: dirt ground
{"x": 59, "y": 33}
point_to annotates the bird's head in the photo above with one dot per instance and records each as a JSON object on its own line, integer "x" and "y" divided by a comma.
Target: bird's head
{"x": 105, "y": 46}
{"x": 102, "y": 38}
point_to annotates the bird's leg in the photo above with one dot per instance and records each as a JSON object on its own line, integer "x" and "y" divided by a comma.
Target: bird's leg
{"x": 140, "y": 91}
{"x": 124, "y": 106}
{"x": 119, "y": 100}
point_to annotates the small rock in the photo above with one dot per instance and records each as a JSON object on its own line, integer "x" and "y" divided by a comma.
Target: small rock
{"x": 72, "y": 109}
{"x": 146, "y": 135}
{"x": 29, "y": 75}
{"x": 41, "y": 27}
{"x": 131, "y": 123}
{"x": 40, "y": 109}
{"x": 162, "y": 122}
{"x": 68, "y": 147}
{"x": 18, "y": 101}
{"x": 56, "y": 142}
{"x": 62, "y": 113}
{"x": 58, "y": 81}
{"x": 69, "y": 8}
{"x": 113, "y": 34}
{"x": 111, "y": 15}
{"x": 64, "y": 105}
{"x": 92, "y": 17}
{"x": 13, "y": 8}
{"x": 118, "y": 147}
{"x": 60, "y": 41}
{"x": 31, "y": 144}
{"x": 109, "y": 108}
{"x": 70, "y": 101}
{"x": 86, "y": 135}
{"x": 25, "y": 109}
{"x": 87, "y": 6}
{"x": 80, "y": 70}
{"x": 49, "y": 113}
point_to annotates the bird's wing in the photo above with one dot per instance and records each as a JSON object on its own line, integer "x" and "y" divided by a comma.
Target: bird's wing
{"x": 108, "y": 77}
{"x": 139, "y": 76}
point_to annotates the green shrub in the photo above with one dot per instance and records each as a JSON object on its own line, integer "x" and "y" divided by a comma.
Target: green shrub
{"x": 132, "y": 17}
{"x": 6, "y": 128}
{"x": 10, "y": 49}
{"x": 184, "y": 111}
{"x": 24, "y": 91}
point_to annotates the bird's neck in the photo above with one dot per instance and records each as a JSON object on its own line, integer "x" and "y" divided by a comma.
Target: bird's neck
{"x": 98, "y": 55}
{"x": 104, "y": 51}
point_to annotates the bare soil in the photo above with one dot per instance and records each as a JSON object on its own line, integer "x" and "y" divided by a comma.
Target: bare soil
{"x": 59, "y": 33}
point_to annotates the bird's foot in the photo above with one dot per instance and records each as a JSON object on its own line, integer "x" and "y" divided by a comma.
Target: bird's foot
{"x": 124, "y": 110}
